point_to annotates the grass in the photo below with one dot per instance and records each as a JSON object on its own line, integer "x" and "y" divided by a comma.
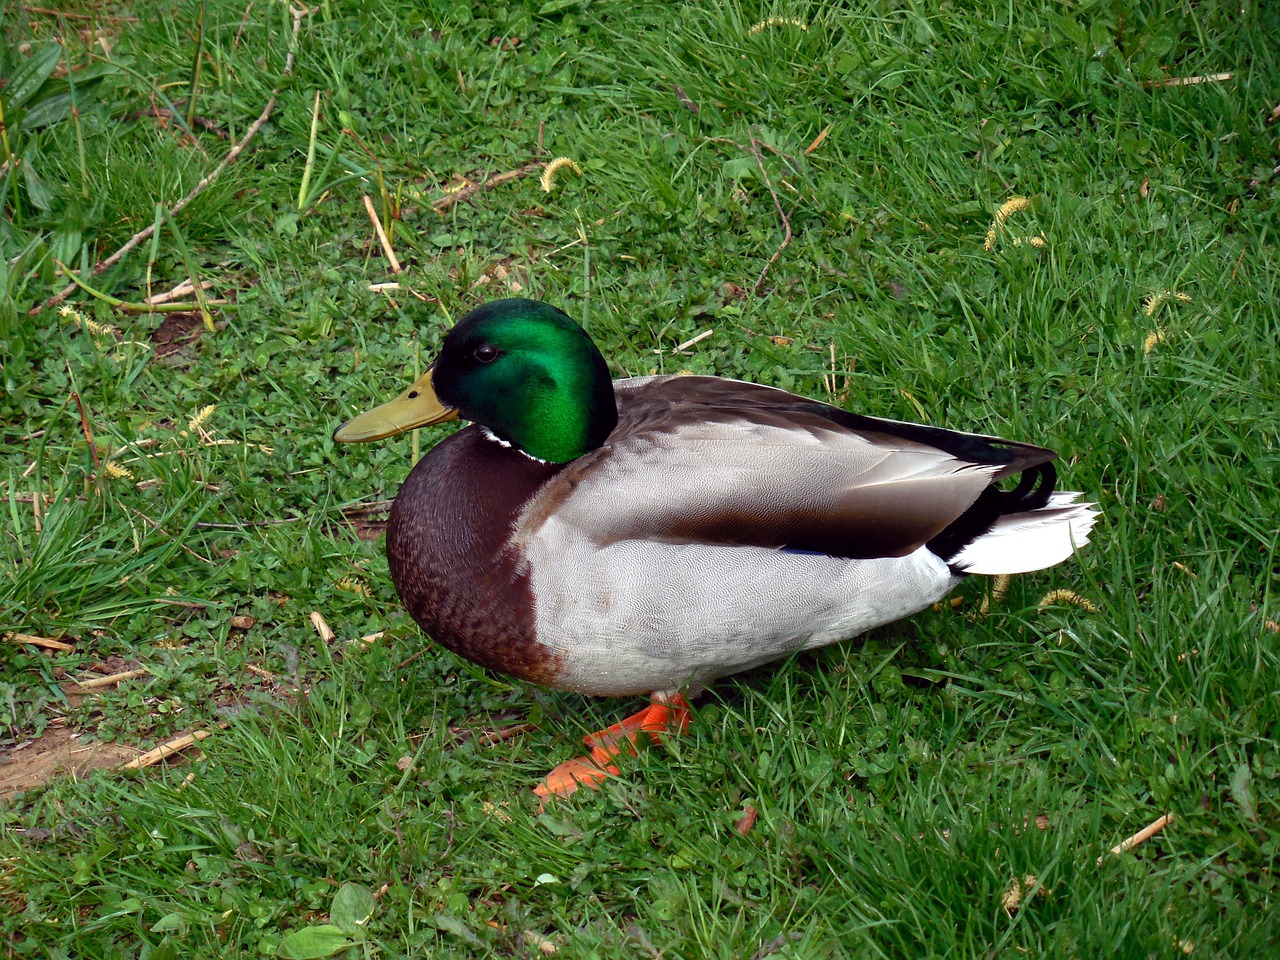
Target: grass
{"x": 352, "y": 801}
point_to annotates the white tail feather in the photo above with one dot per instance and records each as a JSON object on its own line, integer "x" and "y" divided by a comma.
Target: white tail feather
{"x": 1022, "y": 542}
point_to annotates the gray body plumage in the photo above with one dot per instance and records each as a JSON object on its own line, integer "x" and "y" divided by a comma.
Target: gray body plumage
{"x": 677, "y": 553}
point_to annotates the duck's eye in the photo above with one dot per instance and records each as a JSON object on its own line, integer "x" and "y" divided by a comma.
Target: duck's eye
{"x": 486, "y": 353}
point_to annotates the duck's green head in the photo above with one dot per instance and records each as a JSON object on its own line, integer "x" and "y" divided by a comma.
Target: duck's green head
{"x": 519, "y": 367}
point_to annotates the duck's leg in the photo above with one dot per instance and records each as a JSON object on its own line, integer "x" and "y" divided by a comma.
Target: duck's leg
{"x": 666, "y": 713}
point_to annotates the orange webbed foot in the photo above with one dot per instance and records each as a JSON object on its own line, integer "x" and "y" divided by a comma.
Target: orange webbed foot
{"x": 666, "y": 714}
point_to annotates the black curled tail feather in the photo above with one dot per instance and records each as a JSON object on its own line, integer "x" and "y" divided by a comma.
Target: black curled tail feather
{"x": 1032, "y": 492}
{"x": 1035, "y": 486}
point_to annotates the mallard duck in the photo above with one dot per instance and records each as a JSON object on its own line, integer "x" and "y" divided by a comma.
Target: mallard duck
{"x": 652, "y": 534}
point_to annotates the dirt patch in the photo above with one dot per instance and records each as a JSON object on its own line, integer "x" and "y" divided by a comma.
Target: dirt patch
{"x": 55, "y": 753}
{"x": 176, "y": 331}
{"x": 368, "y": 520}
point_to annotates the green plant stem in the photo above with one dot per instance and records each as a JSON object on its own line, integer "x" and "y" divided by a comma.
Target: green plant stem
{"x": 81, "y": 158}
{"x": 194, "y": 92}
{"x": 311, "y": 154}
{"x": 128, "y": 307}
{"x": 10, "y": 161}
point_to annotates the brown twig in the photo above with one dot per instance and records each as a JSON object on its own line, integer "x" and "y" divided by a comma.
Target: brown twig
{"x": 244, "y": 524}
{"x": 412, "y": 657}
{"x": 145, "y": 234}
{"x": 366, "y": 509}
{"x": 84, "y": 425}
{"x": 753, "y": 147}
{"x": 506, "y": 733}
{"x": 164, "y": 113}
{"x": 786, "y": 218}
{"x": 185, "y": 288}
{"x": 466, "y": 193}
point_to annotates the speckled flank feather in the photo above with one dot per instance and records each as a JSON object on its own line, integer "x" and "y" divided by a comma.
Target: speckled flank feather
{"x": 640, "y": 615}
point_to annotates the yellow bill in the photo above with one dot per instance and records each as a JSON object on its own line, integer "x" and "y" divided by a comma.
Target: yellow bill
{"x": 416, "y": 407}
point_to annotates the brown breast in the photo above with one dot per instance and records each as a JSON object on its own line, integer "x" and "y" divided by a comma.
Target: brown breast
{"x": 450, "y": 560}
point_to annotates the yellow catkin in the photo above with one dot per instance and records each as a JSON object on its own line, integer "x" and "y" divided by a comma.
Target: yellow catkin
{"x": 1154, "y": 338}
{"x": 1007, "y": 209}
{"x": 203, "y": 414}
{"x": 493, "y": 810}
{"x": 548, "y": 180}
{"x": 999, "y": 590}
{"x": 113, "y": 469}
{"x": 1010, "y": 207}
{"x": 777, "y": 22}
{"x": 92, "y": 327}
{"x": 355, "y": 586}
{"x": 1066, "y": 596}
{"x": 1152, "y": 301}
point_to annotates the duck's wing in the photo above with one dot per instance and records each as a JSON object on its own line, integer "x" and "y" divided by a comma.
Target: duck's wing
{"x": 707, "y": 460}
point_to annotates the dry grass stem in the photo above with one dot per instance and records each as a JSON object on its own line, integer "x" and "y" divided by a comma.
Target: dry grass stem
{"x": 165, "y": 750}
{"x": 1142, "y": 836}
{"x": 1189, "y": 81}
{"x": 322, "y": 627}
{"x": 383, "y": 239}
{"x": 88, "y": 433}
{"x": 692, "y": 341}
{"x": 506, "y": 733}
{"x": 184, "y": 289}
{"x": 45, "y": 643}
{"x": 817, "y": 141}
{"x": 111, "y": 680}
